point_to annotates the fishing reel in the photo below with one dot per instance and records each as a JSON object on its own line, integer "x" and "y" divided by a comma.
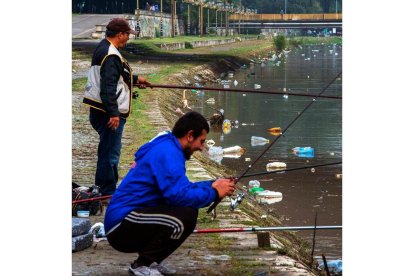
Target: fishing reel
{"x": 236, "y": 201}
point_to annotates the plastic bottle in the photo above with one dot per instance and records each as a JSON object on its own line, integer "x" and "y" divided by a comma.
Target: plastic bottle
{"x": 215, "y": 150}
{"x": 259, "y": 141}
{"x": 254, "y": 184}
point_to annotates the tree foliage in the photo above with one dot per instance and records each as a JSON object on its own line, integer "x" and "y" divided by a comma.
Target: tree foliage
{"x": 262, "y": 6}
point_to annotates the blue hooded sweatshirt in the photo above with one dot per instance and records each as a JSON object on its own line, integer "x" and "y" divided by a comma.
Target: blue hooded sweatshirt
{"x": 157, "y": 178}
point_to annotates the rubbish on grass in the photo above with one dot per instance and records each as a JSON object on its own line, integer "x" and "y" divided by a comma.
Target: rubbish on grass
{"x": 257, "y": 86}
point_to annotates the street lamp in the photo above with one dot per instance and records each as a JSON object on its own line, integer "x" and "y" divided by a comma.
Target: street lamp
{"x": 285, "y": 6}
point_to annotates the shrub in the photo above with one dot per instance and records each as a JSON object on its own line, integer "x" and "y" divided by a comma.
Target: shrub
{"x": 188, "y": 45}
{"x": 279, "y": 42}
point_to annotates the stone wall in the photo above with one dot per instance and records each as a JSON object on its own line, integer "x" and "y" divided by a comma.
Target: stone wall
{"x": 150, "y": 24}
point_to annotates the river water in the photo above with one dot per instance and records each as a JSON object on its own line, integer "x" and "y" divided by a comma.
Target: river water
{"x": 305, "y": 192}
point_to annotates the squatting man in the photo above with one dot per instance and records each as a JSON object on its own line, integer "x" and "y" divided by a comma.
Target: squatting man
{"x": 155, "y": 207}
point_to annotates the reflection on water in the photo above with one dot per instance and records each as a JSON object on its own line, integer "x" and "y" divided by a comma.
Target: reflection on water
{"x": 305, "y": 192}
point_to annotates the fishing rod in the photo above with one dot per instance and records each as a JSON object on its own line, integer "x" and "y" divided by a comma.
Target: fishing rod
{"x": 91, "y": 199}
{"x": 245, "y": 176}
{"x": 240, "y": 196}
{"x": 241, "y": 90}
{"x": 257, "y": 229}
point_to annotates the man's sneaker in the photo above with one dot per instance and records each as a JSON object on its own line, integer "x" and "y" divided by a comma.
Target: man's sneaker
{"x": 144, "y": 271}
{"x": 163, "y": 269}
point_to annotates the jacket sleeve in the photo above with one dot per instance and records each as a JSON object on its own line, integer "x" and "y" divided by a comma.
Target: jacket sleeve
{"x": 111, "y": 70}
{"x": 176, "y": 188}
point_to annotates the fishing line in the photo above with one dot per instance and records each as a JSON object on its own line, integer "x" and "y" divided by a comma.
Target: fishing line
{"x": 213, "y": 206}
{"x": 241, "y": 91}
{"x": 245, "y": 176}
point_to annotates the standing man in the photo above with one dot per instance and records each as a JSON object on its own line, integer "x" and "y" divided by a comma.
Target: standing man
{"x": 108, "y": 93}
{"x": 155, "y": 207}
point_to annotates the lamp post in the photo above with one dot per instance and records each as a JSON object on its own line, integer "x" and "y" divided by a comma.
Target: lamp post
{"x": 285, "y": 6}
{"x": 161, "y": 23}
{"x": 201, "y": 18}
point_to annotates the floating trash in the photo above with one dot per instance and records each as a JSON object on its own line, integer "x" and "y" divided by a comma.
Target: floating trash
{"x": 215, "y": 150}
{"x": 338, "y": 175}
{"x": 268, "y": 197}
{"x": 298, "y": 150}
{"x": 285, "y": 96}
{"x": 306, "y": 152}
{"x": 274, "y": 166}
{"x": 210, "y": 143}
{"x": 258, "y": 141}
{"x": 334, "y": 266}
{"x": 247, "y": 159}
{"x": 234, "y": 149}
{"x": 211, "y": 101}
{"x": 274, "y": 131}
{"x": 254, "y": 184}
{"x": 313, "y": 170}
{"x": 226, "y": 126}
{"x": 255, "y": 190}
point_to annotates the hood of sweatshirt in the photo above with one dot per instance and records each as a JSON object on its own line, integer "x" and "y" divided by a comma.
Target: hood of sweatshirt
{"x": 159, "y": 138}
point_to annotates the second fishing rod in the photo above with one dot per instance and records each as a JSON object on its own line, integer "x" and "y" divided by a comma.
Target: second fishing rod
{"x": 214, "y": 205}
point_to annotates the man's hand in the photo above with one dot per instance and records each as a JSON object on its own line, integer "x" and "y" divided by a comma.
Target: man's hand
{"x": 142, "y": 83}
{"x": 224, "y": 187}
{"x": 113, "y": 123}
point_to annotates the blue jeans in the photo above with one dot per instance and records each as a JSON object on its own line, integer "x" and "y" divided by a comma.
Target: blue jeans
{"x": 109, "y": 151}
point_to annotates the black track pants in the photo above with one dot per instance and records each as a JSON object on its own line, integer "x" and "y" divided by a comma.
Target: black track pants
{"x": 154, "y": 232}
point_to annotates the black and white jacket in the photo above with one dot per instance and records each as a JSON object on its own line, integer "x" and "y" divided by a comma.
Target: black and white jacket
{"x": 110, "y": 81}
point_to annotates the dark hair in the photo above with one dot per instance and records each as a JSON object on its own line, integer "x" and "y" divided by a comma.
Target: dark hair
{"x": 190, "y": 121}
{"x": 109, "y": 33}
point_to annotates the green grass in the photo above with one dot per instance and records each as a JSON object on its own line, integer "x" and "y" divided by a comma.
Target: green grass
{"x": 138, "y": 122}
{"x": 309, "y": 40}
{"x": 79, "y": 84}
{"x": 178, "y": 39}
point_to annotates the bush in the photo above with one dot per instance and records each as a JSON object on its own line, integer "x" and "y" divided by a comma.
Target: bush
{"x": 188, "y": 45}
{"x": 280, "y": 43}
{"x": 157, "y": 32}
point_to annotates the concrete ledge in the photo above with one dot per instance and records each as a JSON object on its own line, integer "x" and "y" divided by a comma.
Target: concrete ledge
{"x": 197, "y": 44}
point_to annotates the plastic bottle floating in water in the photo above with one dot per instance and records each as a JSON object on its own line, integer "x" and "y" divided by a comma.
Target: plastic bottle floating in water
{"x": 306, "y": 152}
{"x": 258, "y": 141}
{"x": 226, "y": 127}
{"x": 274, "y": 166}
